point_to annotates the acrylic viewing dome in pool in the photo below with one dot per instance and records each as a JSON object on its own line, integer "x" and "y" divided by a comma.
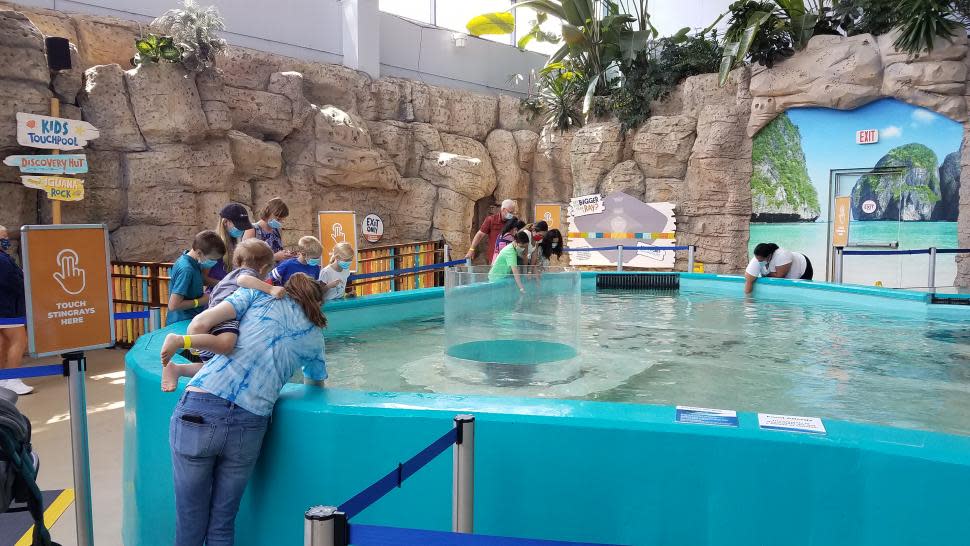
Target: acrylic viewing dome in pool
{"x": 495, "y": 334}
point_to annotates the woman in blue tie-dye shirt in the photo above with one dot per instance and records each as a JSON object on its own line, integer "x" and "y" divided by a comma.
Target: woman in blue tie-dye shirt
{"x": 218, "y": 425}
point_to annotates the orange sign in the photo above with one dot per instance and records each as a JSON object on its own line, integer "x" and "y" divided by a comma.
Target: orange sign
{"x": 66, "y": 272}
{"x": 551, "y": 213}
{"x": 840, "y": 223}
{"x": 337, "y": 227}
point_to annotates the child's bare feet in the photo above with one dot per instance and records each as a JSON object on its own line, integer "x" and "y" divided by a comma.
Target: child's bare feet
{"x": 170, "y": 377}
{"x": 171, "y": 344}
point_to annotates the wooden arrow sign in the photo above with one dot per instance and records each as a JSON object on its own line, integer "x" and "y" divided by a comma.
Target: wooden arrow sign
{"x": 57, "y": 188}
{"x": 49, "y": 164}
{"x": 36, "y": 131}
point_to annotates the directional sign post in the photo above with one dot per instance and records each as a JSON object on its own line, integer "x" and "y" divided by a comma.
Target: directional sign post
{"x": 53, "y": 133}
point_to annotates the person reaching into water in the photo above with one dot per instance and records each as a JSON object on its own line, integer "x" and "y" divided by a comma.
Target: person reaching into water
{"x": 507, "y": 261}
{"x": 770, "y": 260}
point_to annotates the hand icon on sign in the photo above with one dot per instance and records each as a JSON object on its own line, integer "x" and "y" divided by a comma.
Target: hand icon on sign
{"x": 337, "y": 234}
{"x": 547, "y": 217}
{"x": 70, "y": 277}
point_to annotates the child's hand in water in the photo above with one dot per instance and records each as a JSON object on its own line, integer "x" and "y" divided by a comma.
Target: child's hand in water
{"x": 277, "y": 292}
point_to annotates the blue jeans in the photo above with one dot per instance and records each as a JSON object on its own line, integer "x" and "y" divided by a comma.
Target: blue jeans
{"x": 215, "y": 444}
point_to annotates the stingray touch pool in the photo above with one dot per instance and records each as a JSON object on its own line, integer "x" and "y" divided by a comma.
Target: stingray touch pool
{"x": 696, "y": 346}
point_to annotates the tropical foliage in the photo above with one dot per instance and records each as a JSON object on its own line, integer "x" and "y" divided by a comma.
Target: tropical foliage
{"x": 153, "y": 48}
{"x": 656, "y": 71}
{"x": 193, "y": 30}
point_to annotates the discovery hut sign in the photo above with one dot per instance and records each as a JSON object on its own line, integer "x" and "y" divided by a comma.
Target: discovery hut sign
{"x": 49, "y": 164}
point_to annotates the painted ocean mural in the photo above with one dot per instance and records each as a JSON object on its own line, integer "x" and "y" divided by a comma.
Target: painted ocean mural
{"x": 916, "y": 205}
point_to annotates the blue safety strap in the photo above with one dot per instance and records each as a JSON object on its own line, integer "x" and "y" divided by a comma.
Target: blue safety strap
{"x": 393, "y": 479}
{"x": 884, "y": 252}
{"x": 406, "y": 270}
{"x": 32, "y": 371}
{"x": 374, "y": 535}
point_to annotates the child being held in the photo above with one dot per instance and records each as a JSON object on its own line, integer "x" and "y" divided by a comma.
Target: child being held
{"x": 334, "y": 276}
{"x": 307, "y": 261}
{"x": 252, "y": 259}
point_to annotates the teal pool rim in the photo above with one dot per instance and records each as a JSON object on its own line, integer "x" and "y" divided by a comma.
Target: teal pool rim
{"x": 927, "y": 444}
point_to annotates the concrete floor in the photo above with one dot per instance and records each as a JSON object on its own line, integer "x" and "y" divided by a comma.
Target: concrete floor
{"x": 47, "y": 409}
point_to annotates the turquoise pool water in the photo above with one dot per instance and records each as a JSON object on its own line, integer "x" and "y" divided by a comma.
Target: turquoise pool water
{"x": 702, "y": 348}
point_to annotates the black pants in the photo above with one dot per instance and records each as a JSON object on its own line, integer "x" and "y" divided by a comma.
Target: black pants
{"x": 809, "y": 272}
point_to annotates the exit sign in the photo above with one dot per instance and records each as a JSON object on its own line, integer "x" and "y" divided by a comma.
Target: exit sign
{"x": 867, "y": 136}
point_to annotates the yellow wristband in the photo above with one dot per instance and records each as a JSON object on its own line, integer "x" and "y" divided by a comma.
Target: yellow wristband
{"x": 186, "y": 342}
{"x": 196, "y": 302}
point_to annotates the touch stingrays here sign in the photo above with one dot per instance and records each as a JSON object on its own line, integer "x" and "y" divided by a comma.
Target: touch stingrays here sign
{"x": 46, "y": 132}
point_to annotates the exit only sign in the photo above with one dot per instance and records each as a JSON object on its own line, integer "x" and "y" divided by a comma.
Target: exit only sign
{"x": 867, "y": 136}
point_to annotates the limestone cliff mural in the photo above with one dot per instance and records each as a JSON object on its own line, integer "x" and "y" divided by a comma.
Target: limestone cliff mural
{"x": 913, "y": 201}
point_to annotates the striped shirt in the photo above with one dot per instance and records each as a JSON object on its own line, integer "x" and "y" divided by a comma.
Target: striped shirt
{"x": 275, "y": 338}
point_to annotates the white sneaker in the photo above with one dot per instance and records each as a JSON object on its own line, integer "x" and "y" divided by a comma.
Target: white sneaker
{"x": 16, "y": 386}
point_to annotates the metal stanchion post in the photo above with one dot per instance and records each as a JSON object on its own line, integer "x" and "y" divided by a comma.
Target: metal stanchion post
{"x": 463, "y": 482}
{"x": 447, "y": 254}
{"x": 690, "y": 258}
{"x": 619, "y": 257}
{"x": 75, "y": 365}
{"x": 324, "y": 526}
{"x": 838, "y": 265}
{"x": 154, "y": 318}
{"x": 931, "y": 284}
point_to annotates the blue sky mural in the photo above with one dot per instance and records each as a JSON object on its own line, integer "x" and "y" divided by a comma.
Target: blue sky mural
{"x": 828, "y": 136}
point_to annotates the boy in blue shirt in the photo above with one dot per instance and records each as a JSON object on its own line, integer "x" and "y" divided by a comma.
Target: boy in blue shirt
{"x": 307, "y": 261}
{"x": 186, "y": 296}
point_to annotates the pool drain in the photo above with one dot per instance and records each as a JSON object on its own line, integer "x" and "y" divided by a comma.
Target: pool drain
{"x": 634, "y": 281}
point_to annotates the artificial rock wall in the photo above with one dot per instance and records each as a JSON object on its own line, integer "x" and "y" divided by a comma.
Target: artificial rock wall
{"x": 175, "y": 147}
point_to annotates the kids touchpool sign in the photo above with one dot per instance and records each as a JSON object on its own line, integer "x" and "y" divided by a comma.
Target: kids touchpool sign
{"x": 46, "y": 132}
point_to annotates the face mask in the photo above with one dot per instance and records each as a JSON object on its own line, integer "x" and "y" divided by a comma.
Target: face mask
{"x": 313, "y": 261}
{"x": 276, "y": 224}
{"x": 235, "y": 232}
{"x": 4, "y": 244}
{"x": 509, "y": 216}
{"x": 555, "y": 245}
{"x": 208, "y": 264}
{"x": 344, "y": 265}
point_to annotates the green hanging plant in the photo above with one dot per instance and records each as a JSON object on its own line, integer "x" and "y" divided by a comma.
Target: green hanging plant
{"x": 154, "y": 48}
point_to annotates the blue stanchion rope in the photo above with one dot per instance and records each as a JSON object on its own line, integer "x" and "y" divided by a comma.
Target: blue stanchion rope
{"x": 953, "y": 251}
{"x": 134, "y": 315}
{"x": 32, "y": 371}
{"x": 374, "y": 535}
{"x": 394, "y": 478}
{"x": 884, "y": 252}
{"x": 606, "y": 248}
{"x": 406, "y": 270}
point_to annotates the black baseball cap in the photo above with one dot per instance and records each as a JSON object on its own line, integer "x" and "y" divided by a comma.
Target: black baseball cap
{"x": 236, "y": 213}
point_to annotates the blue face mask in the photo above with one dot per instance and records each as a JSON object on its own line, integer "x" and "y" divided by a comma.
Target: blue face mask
{"x": 4, "y": 244}
{"x": 274, "y": 223}
{"x": 208, "y": 264}
{"x": 235, "y": 232}
{"x": 344, "y": 265}
{"x": 313, "y": 261}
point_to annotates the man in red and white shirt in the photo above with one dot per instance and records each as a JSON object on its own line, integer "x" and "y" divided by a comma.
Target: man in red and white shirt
{"x": 492, "y": 228}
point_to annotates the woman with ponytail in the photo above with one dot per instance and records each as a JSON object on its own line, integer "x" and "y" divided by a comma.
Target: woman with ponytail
{"x": 218, "y": 425}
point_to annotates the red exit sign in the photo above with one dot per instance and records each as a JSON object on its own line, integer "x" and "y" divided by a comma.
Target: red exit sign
{"x": 867, "y": 136}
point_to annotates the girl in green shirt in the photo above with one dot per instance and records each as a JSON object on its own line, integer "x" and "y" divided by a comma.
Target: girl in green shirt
{"x": 507, "y": 261}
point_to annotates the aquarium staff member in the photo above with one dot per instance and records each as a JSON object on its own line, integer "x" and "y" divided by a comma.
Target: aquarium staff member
{"x": 770, "y": 260}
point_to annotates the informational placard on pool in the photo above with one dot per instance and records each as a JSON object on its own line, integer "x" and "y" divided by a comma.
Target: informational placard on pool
{"x": 791, "y": 423}
{"x": 707, "y": 416}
